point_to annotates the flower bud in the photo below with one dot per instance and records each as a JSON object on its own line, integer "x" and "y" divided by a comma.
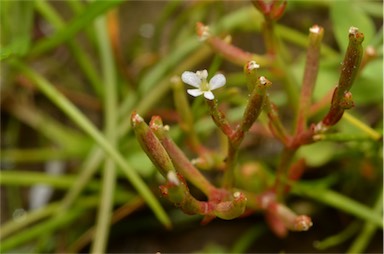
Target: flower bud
{"x": 151, "y": 145}
{"x": 255, "y": 103}
{"x": 342, "y": 98}
{"x": 250, "y": 71}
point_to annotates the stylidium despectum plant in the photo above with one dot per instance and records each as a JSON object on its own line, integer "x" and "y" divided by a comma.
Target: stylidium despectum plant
{"x": 230, "y": 197}
{"x": 198, "y": 113}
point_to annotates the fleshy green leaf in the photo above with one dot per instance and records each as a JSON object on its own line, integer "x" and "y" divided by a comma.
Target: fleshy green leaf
{"x": 317, "y": 154}
{"x": 369, "y": 86}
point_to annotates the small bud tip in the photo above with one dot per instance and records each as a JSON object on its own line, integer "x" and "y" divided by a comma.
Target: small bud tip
{"x": 136, "y": 118}
{"x": 252, "y": 65}
{"x": 202, "y": 31}
{"x": 353, "y": 30}
{"x": 315, "y": 29}
{"x": 236, "y": 194}
{"x": 263, "y": 80}
{"x": 303, "y": 223}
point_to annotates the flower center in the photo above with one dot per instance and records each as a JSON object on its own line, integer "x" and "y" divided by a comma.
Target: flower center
{"x": 204, "y": 85}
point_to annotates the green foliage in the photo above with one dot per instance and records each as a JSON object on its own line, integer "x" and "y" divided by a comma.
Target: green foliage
{"x": 352, "y": 13}
{"x": 368, "y": 87}
{"x": 16, "y": 29}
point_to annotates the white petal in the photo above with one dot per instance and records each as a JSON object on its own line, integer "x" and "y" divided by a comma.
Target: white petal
{"x": 217, "y": 81}
{"x": 191, "y": 79}
{"x": 209, "y": 95}
{"x": 194, "y": 92}
{"x": 202, "y": 74}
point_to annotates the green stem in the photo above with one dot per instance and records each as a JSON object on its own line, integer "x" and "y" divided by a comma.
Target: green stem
{"x": 82, "y": 58}
{"x": 362, "y": 126}
{"x": 34, "y": 232}
{"x": 29, "y": 178}
{"x": 231, "y": 163}
{"x": 275, "y": 124}
{"x": 252, "y": 111}
{"x": 46, "y": 125}
{"x": 109, "y": 172}
{"x": 363, "y": 239}
{"x": 341, "y": 137}
{"x": 105, "y": 208}
{"x": 290, "y": 84}
{"x": 248, "y": 238}
{"x": 49, "y": 225}
{"x": 336, "y": 200}
{"x": 73, "y": 113}
{"x": 300, "y": 39}
{"x": 76, "y": 6}
{"x": 186, "y": 117}
{"x": 282, "y": 171}
{"x": 219, "y": 118}
{"x": 270, "y": 40}
{"x": 69, "y": 31}
{"x": 181, "y": 162}
{"x": 88, "y": 168}
{"x": 12, "y": 226}
{"x": 309, "y": 78}
{"x": 340, "y": 238}
{"x": 42, "y": 154}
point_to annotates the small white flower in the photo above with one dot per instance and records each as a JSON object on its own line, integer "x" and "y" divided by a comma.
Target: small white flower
{"x": 199, "y": 80}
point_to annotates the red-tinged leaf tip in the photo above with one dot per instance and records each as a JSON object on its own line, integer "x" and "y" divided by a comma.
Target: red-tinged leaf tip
{"x": 239, "y": 197}
{"x": 136, "y": 119}
{"x": 315, "y": 29}
{"x": 251, "y": 65}
{"x": 271, "y": 9}
{"x": 355, "y": 34}
{"x": 265, "y": 82}
{"x": 302, "y": 223}
{"x": 202, "y": 31}
{"x": 278, "y": 11}
{"x": 156, "y": 123}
